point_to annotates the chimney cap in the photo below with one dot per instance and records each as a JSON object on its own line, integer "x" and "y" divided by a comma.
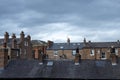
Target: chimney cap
{"x": 22, "y": 32}
{"x": 6, "y": 33}
{"x": 89, "y": 41}
{"x": 68, "y": 40}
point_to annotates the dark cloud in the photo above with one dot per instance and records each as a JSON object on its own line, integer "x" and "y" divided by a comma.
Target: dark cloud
{"x": 97, "y": 20}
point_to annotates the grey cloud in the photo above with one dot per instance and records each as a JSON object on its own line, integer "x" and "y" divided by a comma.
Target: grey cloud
{"x": 47, "y": 19}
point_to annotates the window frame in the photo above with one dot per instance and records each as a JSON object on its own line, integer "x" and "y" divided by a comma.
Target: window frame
{"x": 92, "y": 52}
{"x": 103, "y": 55}
{"x": 73, "y": 52}
{"x": 55, "y": 52}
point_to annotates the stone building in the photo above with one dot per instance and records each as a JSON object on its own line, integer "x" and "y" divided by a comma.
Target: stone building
{"x": 87, "y": 50}
{"x": 14, "y": 48}
{"x": 38, "y": 48}
{"x": 63, "y": 50}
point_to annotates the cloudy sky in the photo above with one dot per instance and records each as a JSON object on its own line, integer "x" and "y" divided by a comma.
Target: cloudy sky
{"x": 96, "y": 20}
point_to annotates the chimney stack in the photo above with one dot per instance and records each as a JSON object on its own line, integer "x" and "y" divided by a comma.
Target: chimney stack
{"x": 50, "y": 43}
{"x": 22, "y": 36}
{"x": 14, "y": 42}
{"x": 85, "y": 43}
{"x": 113, "y": 56}
{"x": 29, "y": 37}
{"x": 13, "y": 36}
{"x": 68, "y": 41}
{"x": 6, "y": 37}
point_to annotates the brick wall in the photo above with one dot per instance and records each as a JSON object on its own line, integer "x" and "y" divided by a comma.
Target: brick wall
{"x": 68, "y": 54}
{"x": 3, "y": 58}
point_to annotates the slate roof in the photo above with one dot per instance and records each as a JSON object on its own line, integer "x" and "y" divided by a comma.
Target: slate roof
{"x": 66, "y": 46}
{"x": 87, "y": 69}
{"x": 71, "y": 46}
{"x": 9, "y": 43}
{"x": 38, "y": 42}
{"x": 102, "y": 44}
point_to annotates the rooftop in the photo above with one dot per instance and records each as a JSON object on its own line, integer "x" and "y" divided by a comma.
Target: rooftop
{"x": 80, "y": 45}
{"x": 87, "y": 69}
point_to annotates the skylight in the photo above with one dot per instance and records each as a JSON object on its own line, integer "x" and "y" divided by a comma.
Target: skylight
{"x": 61, "y": 47}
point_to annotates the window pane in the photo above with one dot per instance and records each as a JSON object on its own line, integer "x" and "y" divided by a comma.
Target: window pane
{"x": 55, "y": 52}
{"x": 74, "y": 52}
{"x": 103, "y": 55}
{"x": 92, "y": 52}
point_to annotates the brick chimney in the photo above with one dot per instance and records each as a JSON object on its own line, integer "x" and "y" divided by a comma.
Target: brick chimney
{"x": 89, "y": 42}
{"x": 4, "y": 58}
{"x": 113, "y": 59}
{"x": 68, "y": 40}
{"x": 22, "y": 36}
{"x": 29, "y": 47}
{"x": 13, "y": 36}
{"x": 50, "y": 43}
{"x": 14, "y": 42}
{"x": 6, "y": 37}
{"x": 85, "y": 43}
{"x": 77, "y": 58}
{"x": 113, "y": 56}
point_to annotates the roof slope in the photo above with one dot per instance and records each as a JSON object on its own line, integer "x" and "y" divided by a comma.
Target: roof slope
{"x": 80, "y": 45}
{"x": 66, "y": 46}
{"x": 38, "y": 42}
{"x": 88, "y": 69}
{"x": 103, "y": 44}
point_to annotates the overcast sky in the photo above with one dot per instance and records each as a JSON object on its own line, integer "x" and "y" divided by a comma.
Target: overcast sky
{"x": 96, "y": 20}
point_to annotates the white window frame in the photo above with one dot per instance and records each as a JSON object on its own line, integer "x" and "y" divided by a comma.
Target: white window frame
{"x": 102, "y": 55}
{"x": 73, "y": 52}
{"x": 116, "y": 51}
{"x": 55, "y": 52}
{"x": 92, "y": 52}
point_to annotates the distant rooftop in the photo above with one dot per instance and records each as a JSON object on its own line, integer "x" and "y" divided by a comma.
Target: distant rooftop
{"x": 80, "y": 45}
{"x": 66, "y": 46}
